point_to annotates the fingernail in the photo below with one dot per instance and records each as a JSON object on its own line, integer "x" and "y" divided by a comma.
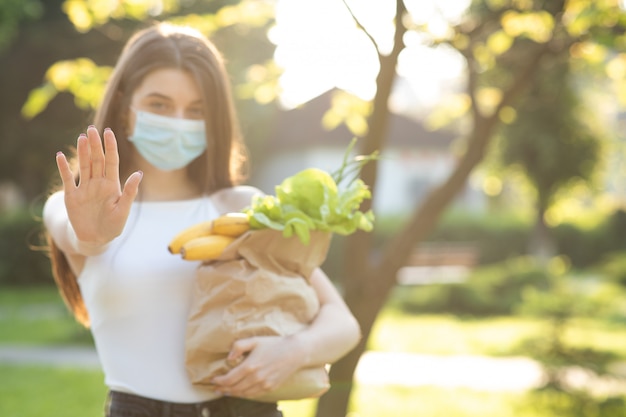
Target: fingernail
{"x": 91, "y": 127}
{"x": 82, "y": 135}
{"x": 107, "y": 129}
{"x": 59, "y": 153}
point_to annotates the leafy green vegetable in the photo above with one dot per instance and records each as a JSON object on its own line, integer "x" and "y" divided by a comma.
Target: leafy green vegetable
{"x": 313, "y": 199}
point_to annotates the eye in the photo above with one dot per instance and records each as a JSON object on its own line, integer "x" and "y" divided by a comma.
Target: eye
{"x": 195, "y": 113}
{"x": 158, "y": 106}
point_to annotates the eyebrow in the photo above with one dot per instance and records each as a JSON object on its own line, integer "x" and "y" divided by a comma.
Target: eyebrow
{"x": 162, "y": 96}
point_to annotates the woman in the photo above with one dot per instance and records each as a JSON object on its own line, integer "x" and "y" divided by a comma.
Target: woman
{"x": 167, "y": 123}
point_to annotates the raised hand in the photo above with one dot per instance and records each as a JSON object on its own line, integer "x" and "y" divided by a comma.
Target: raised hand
{"x": 97, "y": 206}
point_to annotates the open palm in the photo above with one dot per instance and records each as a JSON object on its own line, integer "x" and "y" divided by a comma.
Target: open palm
{"x": 97, "y": 206}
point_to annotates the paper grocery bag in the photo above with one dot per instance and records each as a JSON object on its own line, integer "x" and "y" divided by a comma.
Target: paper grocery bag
{"x": 258, "y": 287}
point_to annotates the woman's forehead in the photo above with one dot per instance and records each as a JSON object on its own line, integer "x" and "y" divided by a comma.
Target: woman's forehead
{"x": 169, "y": 83}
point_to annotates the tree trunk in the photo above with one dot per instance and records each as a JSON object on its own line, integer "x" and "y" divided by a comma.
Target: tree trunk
{"x": 542, "y": 245}
{"x": 357, "y": 272}
{"x": 368, "y": 279}
{"x": 367, "y": 291}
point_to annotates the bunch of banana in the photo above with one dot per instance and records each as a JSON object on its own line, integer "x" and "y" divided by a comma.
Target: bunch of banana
{"x": 207, "y": 240}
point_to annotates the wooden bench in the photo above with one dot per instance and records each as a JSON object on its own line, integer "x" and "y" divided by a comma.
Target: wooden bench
{"x": 439, "y": 262}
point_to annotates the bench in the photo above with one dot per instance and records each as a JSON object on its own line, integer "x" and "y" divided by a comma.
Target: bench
{"x": 439, "y": 262}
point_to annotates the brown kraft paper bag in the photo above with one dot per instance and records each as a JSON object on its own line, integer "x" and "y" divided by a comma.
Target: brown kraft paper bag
{"x": 258, "y": 287}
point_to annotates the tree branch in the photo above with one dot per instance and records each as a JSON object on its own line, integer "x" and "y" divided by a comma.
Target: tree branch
{"x": 425, "y": 217}
{"x": 378, "y": 121}
{"x": 360, "y": 26}
{"x": 355, "y": 268}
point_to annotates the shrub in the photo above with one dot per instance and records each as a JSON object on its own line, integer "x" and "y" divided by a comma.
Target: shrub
{"x": 22, "y": 260}
{"x": 489, "y": 290}
{"x": 613, "y": 267}
{"x": 497, "y": 237}
{"x": 584, "y": 247}
{"x": 500, "y": 237}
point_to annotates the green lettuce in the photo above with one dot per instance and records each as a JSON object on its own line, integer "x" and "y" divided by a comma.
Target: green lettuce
{"x": 313, "y": 199}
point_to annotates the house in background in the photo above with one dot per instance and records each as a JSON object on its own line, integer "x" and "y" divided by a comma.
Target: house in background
{"x": 414, "y": 159}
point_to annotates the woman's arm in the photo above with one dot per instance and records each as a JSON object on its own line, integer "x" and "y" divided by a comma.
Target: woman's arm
{"x": 272, "y": 359}
{"x": 334, "y": 332}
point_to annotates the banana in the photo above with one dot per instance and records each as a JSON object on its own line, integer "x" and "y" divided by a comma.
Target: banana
{"x": 205, "y": 248}
{"x": 231, "y": 224}
{"x": 192, "y": 232}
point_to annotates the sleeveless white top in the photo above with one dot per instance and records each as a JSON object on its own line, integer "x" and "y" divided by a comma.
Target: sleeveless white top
{"x": 138, "y": 295}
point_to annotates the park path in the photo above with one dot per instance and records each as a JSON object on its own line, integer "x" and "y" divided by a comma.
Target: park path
{"x": 374, "y": 368}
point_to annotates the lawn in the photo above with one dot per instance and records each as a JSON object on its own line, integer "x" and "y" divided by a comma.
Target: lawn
{"x": 496, "y": 336}
{"x": 27, "y": 391}
{"x": 39, "y": 317}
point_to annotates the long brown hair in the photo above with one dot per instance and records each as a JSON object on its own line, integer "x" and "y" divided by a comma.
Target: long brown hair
{"x": 223, "y": 165}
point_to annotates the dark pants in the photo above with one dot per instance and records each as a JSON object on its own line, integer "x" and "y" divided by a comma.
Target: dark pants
{"x": 127, "y": 405}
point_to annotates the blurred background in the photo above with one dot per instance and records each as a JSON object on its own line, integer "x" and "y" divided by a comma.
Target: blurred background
{"x": 494, "y": 282}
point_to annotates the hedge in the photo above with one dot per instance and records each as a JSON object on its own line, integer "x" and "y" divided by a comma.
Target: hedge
{"x": 23, "y": 259}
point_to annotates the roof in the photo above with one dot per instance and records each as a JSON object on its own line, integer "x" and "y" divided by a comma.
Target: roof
{"x": 302, "y": 128}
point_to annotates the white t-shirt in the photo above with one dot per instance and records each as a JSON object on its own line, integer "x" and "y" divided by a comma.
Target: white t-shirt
{"x": 138, "y": 295}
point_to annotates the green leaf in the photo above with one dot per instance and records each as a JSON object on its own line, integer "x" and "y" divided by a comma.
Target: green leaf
{"x": 263, "y": 220}
{"x": 312, "y": 199}
{"x": 313, "y": 191}
{"x": 38, "y": 100}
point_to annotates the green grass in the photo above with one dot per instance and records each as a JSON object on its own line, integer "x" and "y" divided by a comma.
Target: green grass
{"x": 448, "y": 335}
{"x": 27, "y": 391}
{"x": 496, "y": 336}
{"x": 39, "y": 317}
{"x": 608, "y": 336}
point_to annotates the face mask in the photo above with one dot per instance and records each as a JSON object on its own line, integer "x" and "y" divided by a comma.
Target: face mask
{"x": 168, "y": 143}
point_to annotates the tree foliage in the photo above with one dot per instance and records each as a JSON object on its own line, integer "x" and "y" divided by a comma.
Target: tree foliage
{"x": 49, "y": 59}
{"x": 85, "y": 80}
{"x": 12, "y": 13}
{"x": 551, "y": 140}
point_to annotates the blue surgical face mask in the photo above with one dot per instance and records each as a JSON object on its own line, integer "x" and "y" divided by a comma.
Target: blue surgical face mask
{"x": 168, "y": 143}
